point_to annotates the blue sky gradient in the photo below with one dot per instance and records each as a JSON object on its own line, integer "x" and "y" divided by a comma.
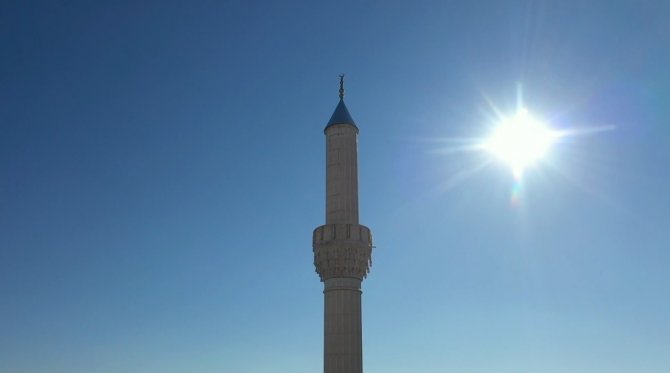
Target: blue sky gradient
{"x": 162, "y": 169}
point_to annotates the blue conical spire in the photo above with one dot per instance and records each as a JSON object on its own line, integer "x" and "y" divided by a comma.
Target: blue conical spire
{"x": 341, "y": 114}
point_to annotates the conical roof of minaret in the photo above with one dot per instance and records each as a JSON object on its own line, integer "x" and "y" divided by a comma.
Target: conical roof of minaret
{"x": 341, "y": 114}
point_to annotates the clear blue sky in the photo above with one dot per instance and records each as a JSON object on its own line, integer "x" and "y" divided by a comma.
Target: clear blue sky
{"x": 162, "y": 169}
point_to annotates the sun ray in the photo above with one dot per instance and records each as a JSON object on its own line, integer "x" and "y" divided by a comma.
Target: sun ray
{"x": 464, "y": 174}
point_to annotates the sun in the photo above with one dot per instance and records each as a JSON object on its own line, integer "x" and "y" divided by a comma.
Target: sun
{"x": 520, "y": 141}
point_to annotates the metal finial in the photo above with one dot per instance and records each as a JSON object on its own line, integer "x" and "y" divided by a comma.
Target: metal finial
{"x": 341, "y": 86}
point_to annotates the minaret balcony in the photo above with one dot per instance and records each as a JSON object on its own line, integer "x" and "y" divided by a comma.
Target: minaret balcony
{"x": 342, "y": 250}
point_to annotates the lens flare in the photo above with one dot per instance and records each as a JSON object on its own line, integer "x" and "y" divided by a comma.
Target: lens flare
{"x": 516, "y": 193}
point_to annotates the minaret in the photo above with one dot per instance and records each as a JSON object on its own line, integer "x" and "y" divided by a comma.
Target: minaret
{"x": 342, "y": 247}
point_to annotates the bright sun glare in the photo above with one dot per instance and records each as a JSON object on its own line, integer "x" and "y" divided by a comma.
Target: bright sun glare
{"x": 520, "y": 141}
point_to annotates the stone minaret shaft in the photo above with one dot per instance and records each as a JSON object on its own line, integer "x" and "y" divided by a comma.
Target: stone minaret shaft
{"x": 342, "y": 247}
